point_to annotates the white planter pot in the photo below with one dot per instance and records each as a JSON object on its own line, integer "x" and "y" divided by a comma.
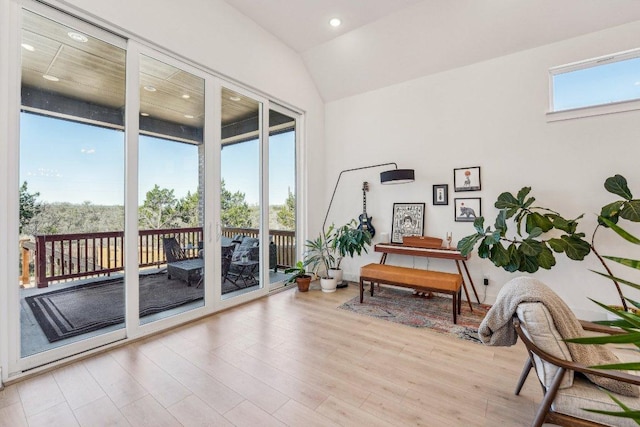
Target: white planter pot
{"x": 336, "y": 273}
{"x": 328, "y": 284}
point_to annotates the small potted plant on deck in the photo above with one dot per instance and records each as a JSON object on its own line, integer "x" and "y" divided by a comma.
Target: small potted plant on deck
{"x": 300, "y": 276}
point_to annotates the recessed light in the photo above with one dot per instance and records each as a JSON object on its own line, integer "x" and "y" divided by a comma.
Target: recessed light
{"x": 335, "y": 22}
{"x": 186, "y": 96}
{"x": 188, "y": 116}
{"x": 77, "y": 37}
{"x": 150, "y": 88}
{"x": 28, "y": 47}
{"x": 50, "y": 78}
{"x": 144, "y": 114}
{"x": 235, "y": 98}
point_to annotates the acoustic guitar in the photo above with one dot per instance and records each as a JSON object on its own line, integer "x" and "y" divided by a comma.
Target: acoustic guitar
{"x": 365, "y": 221}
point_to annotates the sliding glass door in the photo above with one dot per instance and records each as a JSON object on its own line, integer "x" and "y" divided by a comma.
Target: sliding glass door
{"x": 240, "y": 193}
{"x": 282, "y": 194}
{"x": 71, "y": 192}
{"x": 171, "y": 183}
{"x": 150, "y": 191}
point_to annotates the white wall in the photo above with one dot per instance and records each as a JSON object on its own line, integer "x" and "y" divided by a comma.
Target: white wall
{"x": 492, "y": 115}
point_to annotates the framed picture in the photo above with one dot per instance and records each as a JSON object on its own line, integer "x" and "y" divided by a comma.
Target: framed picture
{"x": 466, "y": 179}
{"x": 441, "y": 194}
{"x": 408, "y": 220}
{"x": 467, "y": 209}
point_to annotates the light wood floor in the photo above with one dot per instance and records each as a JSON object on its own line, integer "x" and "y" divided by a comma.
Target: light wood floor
{"x": 290, "y": 359}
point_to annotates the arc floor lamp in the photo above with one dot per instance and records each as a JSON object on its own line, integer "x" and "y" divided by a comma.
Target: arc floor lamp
{"x": 392, "y": 176}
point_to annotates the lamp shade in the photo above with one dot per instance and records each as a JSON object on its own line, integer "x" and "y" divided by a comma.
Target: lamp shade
{"x": 397, "y": 176}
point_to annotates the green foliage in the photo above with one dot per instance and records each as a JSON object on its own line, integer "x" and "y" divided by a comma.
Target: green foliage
{"x": 234, "y": 210}
{"x": 349, "y": 240}
{"x": 188, "y": 209}
{"x": 320, "y": 252}
{"x": 63, "y": 218}
{"x": 528, "y": 251}
{"x": 628, "y": 321}
{"x": 298, "y": 270}
{"x": 287, "y": 214}
{"x": 330, "y": 247}
{"x": 29, "y": 206}
{"x": 159, "y": 210}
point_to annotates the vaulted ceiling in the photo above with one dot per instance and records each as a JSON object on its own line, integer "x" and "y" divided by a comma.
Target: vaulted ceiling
{"x": 383, "y": 42}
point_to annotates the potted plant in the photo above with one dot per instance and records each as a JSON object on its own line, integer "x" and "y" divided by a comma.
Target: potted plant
{"x": 300, "y": 276}
{"x": 546, "y": 232}
{"x": 348, "y": 240}
{"x": 320, "y": 257}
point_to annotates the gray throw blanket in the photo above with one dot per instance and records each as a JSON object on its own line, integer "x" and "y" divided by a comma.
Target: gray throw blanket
{"x": 497, "y": 327}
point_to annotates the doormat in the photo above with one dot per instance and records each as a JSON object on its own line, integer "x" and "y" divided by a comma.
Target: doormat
{"x": 68, "y": 312}
{"x": 400, "y": 306}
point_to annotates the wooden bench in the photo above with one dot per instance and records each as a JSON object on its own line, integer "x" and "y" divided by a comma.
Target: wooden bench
{"x": 420, "y": 280}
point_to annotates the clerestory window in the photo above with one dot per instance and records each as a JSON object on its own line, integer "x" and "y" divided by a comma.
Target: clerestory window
{"x": 596, "y": 86}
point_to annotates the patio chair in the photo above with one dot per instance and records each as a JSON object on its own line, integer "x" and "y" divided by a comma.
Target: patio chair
{"x": 178, "y": 265}
{"x": 172, "y": 250}
{"x": 227, "y": 255}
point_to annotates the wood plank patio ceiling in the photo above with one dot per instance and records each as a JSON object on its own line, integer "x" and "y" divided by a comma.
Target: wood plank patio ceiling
{"x": 93, "y": 72}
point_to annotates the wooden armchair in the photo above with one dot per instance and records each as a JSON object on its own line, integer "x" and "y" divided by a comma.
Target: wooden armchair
{"x": 566, "y": 392}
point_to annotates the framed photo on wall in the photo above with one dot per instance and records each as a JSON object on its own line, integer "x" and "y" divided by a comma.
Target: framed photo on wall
{"x": 441, "y": 194}
{"x": 467, "y": 209}
{"x": 466, "y": 179}
{"x": 408, "y": 220}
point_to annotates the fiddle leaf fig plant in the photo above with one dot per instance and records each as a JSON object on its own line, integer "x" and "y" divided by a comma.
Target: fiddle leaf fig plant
{"x": 546, "y": 231}
{"x": 627, "y": 208}
{"x": 530, "y": 249}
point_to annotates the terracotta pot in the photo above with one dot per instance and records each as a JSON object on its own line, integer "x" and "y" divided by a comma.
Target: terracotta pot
{"x": 303, "y": 283}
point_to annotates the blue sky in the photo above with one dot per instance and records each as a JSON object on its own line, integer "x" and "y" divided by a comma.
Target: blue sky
{"x": 603, "y": 84}
{"x": 70, "y": 162}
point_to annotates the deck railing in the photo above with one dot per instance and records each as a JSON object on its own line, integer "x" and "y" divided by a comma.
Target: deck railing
{"x": 60, "y": 257}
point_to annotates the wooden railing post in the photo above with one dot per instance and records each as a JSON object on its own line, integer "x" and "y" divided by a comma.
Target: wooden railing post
{"x": 25, "y": 278}
{"x": 41, "y": 262}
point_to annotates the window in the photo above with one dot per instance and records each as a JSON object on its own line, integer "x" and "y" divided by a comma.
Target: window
{"x": 601, "y": 85}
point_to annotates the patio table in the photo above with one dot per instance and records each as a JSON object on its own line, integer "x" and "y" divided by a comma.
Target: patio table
{"x": 187, "y": 270}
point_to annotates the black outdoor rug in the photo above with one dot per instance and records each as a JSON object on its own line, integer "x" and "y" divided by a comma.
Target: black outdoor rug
{"x": 403, "y": 307}
{"x": 80, "y": 309}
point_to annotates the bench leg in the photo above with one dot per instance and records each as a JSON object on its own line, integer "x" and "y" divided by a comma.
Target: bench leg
{"x": 372, "y": 288}
{"x": 361, "y": 290}
{"x": 456, "y": 300}
{"x": 460, "y": 301}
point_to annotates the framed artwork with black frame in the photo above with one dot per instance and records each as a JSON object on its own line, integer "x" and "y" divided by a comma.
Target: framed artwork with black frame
{"x": 408, "y": 220}
{"x": 441, "y": 194}
{"x": 466, "y": 179}
{"x": 467, "y": 209}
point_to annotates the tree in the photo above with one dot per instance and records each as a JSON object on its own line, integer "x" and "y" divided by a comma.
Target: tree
{"x": 29, "y": 206}
{"x": 287, "y": 214}
{"x": 159, "y": 210}
{"x": 189, "y": 209}
{"x": 235, "y": 211}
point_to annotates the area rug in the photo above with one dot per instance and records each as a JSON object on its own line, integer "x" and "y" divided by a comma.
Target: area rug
{"x": 400, "y": 306}
{"x": 84, "y": 308}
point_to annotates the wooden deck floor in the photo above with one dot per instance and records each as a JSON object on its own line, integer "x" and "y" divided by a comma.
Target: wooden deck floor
{"x": 288, "y": 359}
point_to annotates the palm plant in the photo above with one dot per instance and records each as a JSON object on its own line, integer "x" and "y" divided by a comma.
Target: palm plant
{"x": 321, "y": 252}
{"x": 629, "y": 322}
